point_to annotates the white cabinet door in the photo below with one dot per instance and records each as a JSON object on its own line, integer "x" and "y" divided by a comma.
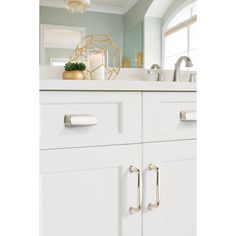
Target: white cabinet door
{"x": 175, "y": 213}
{"x": 88, "y": 191}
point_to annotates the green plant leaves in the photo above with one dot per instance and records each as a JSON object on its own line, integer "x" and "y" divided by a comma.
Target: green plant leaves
{"x": 70, "y": 66}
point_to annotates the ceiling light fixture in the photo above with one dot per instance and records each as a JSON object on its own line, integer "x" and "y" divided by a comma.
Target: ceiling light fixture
{"x": 75, "y": 6}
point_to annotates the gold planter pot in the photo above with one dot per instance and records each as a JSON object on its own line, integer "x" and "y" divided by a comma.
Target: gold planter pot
{"x": 74, "y": 75}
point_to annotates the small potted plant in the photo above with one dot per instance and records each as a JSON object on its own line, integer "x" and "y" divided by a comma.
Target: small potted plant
{"x": 74, "y": 71}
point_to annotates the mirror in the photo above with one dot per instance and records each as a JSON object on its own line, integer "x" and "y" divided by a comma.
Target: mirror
{"x": 136, "y": 26}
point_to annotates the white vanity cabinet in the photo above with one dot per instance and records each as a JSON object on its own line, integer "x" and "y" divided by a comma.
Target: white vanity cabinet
{"x": 162, "y": 116}
{"x": 87, "y": 191}
{"x": 170, "y": 180}
{"x": 117, "y": 114}
{"x": 124, "y": 165}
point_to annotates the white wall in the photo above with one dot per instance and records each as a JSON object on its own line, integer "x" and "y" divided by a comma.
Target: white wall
{"x": 152, "y": 41}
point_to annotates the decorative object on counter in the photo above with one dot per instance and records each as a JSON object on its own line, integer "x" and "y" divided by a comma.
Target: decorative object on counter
{"x": 96, "y": 60}
{"x": 101, "y": 55}
{"x": 138, "y": 58}
{"x": 76, "y": 6}
{"x": 125, "y": 63}
{"x": 135, "y": 56}
{"x": 74, "y": 71}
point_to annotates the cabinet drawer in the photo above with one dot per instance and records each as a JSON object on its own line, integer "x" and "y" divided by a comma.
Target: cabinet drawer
{"x": 162, "y": 116}
{"x": 118, "y": 116}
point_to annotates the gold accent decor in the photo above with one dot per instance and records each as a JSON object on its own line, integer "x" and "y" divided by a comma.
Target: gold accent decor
{"x": 74, "y": 75}
{"x": 101, "y": 56}
{"x": 140, "y": 60}
{"x": 125, "y": 63}
{"x": 75, "y": 6}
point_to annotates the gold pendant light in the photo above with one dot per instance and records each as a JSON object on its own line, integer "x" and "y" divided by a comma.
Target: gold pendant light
{"x": 76, "y": 6}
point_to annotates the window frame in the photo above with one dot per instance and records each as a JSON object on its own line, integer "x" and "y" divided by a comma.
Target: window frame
{"x": 168, "y": 21}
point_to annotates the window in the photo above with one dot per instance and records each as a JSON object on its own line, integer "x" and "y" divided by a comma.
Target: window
{"x": 180, "y": 37}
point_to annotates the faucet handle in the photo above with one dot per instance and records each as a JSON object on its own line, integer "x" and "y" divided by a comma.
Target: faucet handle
{"x": 192, "y": 77}
{"x": 189, "y": 63}
{"x": 160, "y": 76}
{"x": 155, "y": 75}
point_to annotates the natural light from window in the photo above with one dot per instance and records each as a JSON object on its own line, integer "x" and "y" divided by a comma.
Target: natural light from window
{"x": 180, "y": 38}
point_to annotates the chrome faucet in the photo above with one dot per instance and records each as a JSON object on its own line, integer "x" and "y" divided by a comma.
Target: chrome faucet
{"x": 188, "y": 63}
{"x": 156, "y": 66}
{"x": 159, "y": 73}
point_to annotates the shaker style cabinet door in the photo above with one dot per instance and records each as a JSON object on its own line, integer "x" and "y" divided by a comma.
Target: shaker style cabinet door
{"x": 91, "y": 191}
{"x": 169, "y": 194}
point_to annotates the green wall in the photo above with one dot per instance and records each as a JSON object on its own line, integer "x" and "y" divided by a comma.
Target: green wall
{"x": 133, "y": 28}
{"x": 95, "y": 22}
{"x": 134, "y": 40}
{"x": 56, "y": 53}
{"x": 136, "y": 14}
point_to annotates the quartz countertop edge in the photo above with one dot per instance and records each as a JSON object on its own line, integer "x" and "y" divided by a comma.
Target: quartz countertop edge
{"x": 96, "y": 85}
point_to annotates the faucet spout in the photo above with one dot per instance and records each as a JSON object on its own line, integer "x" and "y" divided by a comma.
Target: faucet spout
{"x": 188, "y": 63}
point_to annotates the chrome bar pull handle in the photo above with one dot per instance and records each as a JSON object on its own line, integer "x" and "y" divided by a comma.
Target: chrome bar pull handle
{"x": 80, "y": 120}
{"x": 133, "y": 210}
{"x": 152, "y": 206}
{"x": 188, "y": 116}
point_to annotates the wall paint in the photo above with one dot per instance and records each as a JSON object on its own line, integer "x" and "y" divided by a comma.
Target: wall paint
{"x": 136, "y": 14}
{"x": 95, "y": 22}
{"x": 134, "y": 29}
{"x": 56, "y": 53}
{"x": 134, "y": 41}
{"x": 152, "y": 41}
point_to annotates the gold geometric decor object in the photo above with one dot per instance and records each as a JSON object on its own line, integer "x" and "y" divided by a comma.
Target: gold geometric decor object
{"x": 101, "y": 56}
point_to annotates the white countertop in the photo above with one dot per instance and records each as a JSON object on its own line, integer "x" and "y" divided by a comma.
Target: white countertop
{"x": 95, "y": 85}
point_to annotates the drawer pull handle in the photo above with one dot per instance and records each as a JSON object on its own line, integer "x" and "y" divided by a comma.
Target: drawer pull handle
{"x": 133, "y": 210}
{"x": 151, "y": 206}
{"x": 188, "y": 116}
{"x": 80, "y": 120}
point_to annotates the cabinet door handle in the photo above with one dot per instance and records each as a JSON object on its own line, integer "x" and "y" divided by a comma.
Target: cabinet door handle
{"x": 80, "y": 120}
{"x": 188, "y": 116}
{"x": 151, "y": 206}
{"x": 133, "y": 210}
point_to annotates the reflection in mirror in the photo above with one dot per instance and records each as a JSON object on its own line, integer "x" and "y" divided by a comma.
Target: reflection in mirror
{"x": 146, "y": 31}
{"x": 179, "y": 36}
{"x": 58, "y": 43}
